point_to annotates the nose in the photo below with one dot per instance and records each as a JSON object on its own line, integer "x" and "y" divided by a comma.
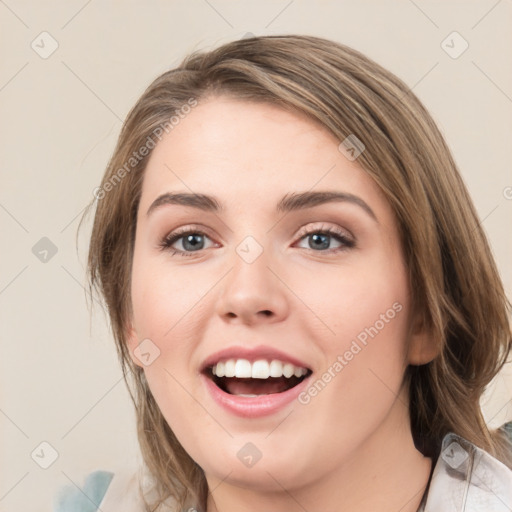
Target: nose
{"x": 253, "y": 293}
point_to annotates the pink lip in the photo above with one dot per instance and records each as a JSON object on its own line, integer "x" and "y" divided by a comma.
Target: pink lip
{"x": 251, "y": 354}
{"x": 253, "y": 407}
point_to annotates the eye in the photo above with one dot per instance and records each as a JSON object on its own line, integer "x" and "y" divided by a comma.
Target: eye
{"x": 320, "y": 239}
{"x": 192, "y": 240}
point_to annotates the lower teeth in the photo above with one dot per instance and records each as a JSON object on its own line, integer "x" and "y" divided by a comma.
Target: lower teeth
{"x": 251, "y": 396}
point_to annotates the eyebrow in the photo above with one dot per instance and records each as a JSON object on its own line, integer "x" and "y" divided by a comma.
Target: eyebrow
{"x": 291, "y": 202}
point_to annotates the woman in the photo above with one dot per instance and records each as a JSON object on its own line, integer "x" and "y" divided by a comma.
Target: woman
{"x": 300, "y": 290}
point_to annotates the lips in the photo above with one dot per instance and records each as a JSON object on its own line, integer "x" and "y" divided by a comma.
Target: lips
{"x": 252, "y": 382}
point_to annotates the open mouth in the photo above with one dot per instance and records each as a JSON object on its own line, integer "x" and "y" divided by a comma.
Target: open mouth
{"x": 242, "y": 378}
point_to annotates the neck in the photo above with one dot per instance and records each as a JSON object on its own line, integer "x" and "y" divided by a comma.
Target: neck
{"x": 386, "y": 473}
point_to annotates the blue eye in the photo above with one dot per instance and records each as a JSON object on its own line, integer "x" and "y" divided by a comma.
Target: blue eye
{"x": 193, "y": 241}
{"x": 321, "y": 239}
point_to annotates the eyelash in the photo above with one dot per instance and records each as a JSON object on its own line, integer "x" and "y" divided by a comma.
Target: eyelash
{"x": 340, "y": 236}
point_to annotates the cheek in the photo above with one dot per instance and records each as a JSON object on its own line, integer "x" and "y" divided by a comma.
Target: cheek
{"x": 364, "y": 300}
{"x": 174, "y": 394}
{"x": 368, "y": 316}
{"x": 166, "y": 310}
{"x": 372, "y": 345}
{"x": 164, "y": 299}
{"x": 363, "y": 373}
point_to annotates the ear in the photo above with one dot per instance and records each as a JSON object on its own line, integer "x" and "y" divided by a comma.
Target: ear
{"x": 132, "y": 341}
{"x": 422, "y": 345}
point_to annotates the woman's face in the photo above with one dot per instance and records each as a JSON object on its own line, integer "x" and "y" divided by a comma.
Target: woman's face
{"x": 275, "y": 280}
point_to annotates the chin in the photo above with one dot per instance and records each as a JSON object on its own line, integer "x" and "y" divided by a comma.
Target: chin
{"x": 262, "y": 465}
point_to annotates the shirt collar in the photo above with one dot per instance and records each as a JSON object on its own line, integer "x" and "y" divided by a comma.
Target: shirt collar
{"x": 468, "y": 479}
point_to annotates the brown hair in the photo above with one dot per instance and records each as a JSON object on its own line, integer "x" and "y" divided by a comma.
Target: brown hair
{"x": 455, "y": 281}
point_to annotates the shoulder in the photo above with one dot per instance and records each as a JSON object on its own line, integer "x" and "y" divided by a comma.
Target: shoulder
{"x": 468, "y": 478}
{"x": 87, "y": 498}
{"x": 124, "y": 489}
{"x": 508, "y": 429}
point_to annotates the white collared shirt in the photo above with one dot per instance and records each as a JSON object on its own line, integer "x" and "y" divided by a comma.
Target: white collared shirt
{"x": 468, "y": 479}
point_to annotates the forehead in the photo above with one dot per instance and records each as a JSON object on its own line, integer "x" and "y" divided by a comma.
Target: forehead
{"x": 246, "y": 150}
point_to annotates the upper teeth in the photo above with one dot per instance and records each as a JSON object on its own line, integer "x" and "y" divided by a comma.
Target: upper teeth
{"x": 261, "y": 369}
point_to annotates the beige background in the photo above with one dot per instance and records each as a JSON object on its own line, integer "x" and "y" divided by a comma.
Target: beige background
{"x": 60, "y": 380}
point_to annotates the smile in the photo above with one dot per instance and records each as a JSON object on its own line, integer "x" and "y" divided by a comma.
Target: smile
{"x": 242, "y": 378}
{"x": 253, "y": 383}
